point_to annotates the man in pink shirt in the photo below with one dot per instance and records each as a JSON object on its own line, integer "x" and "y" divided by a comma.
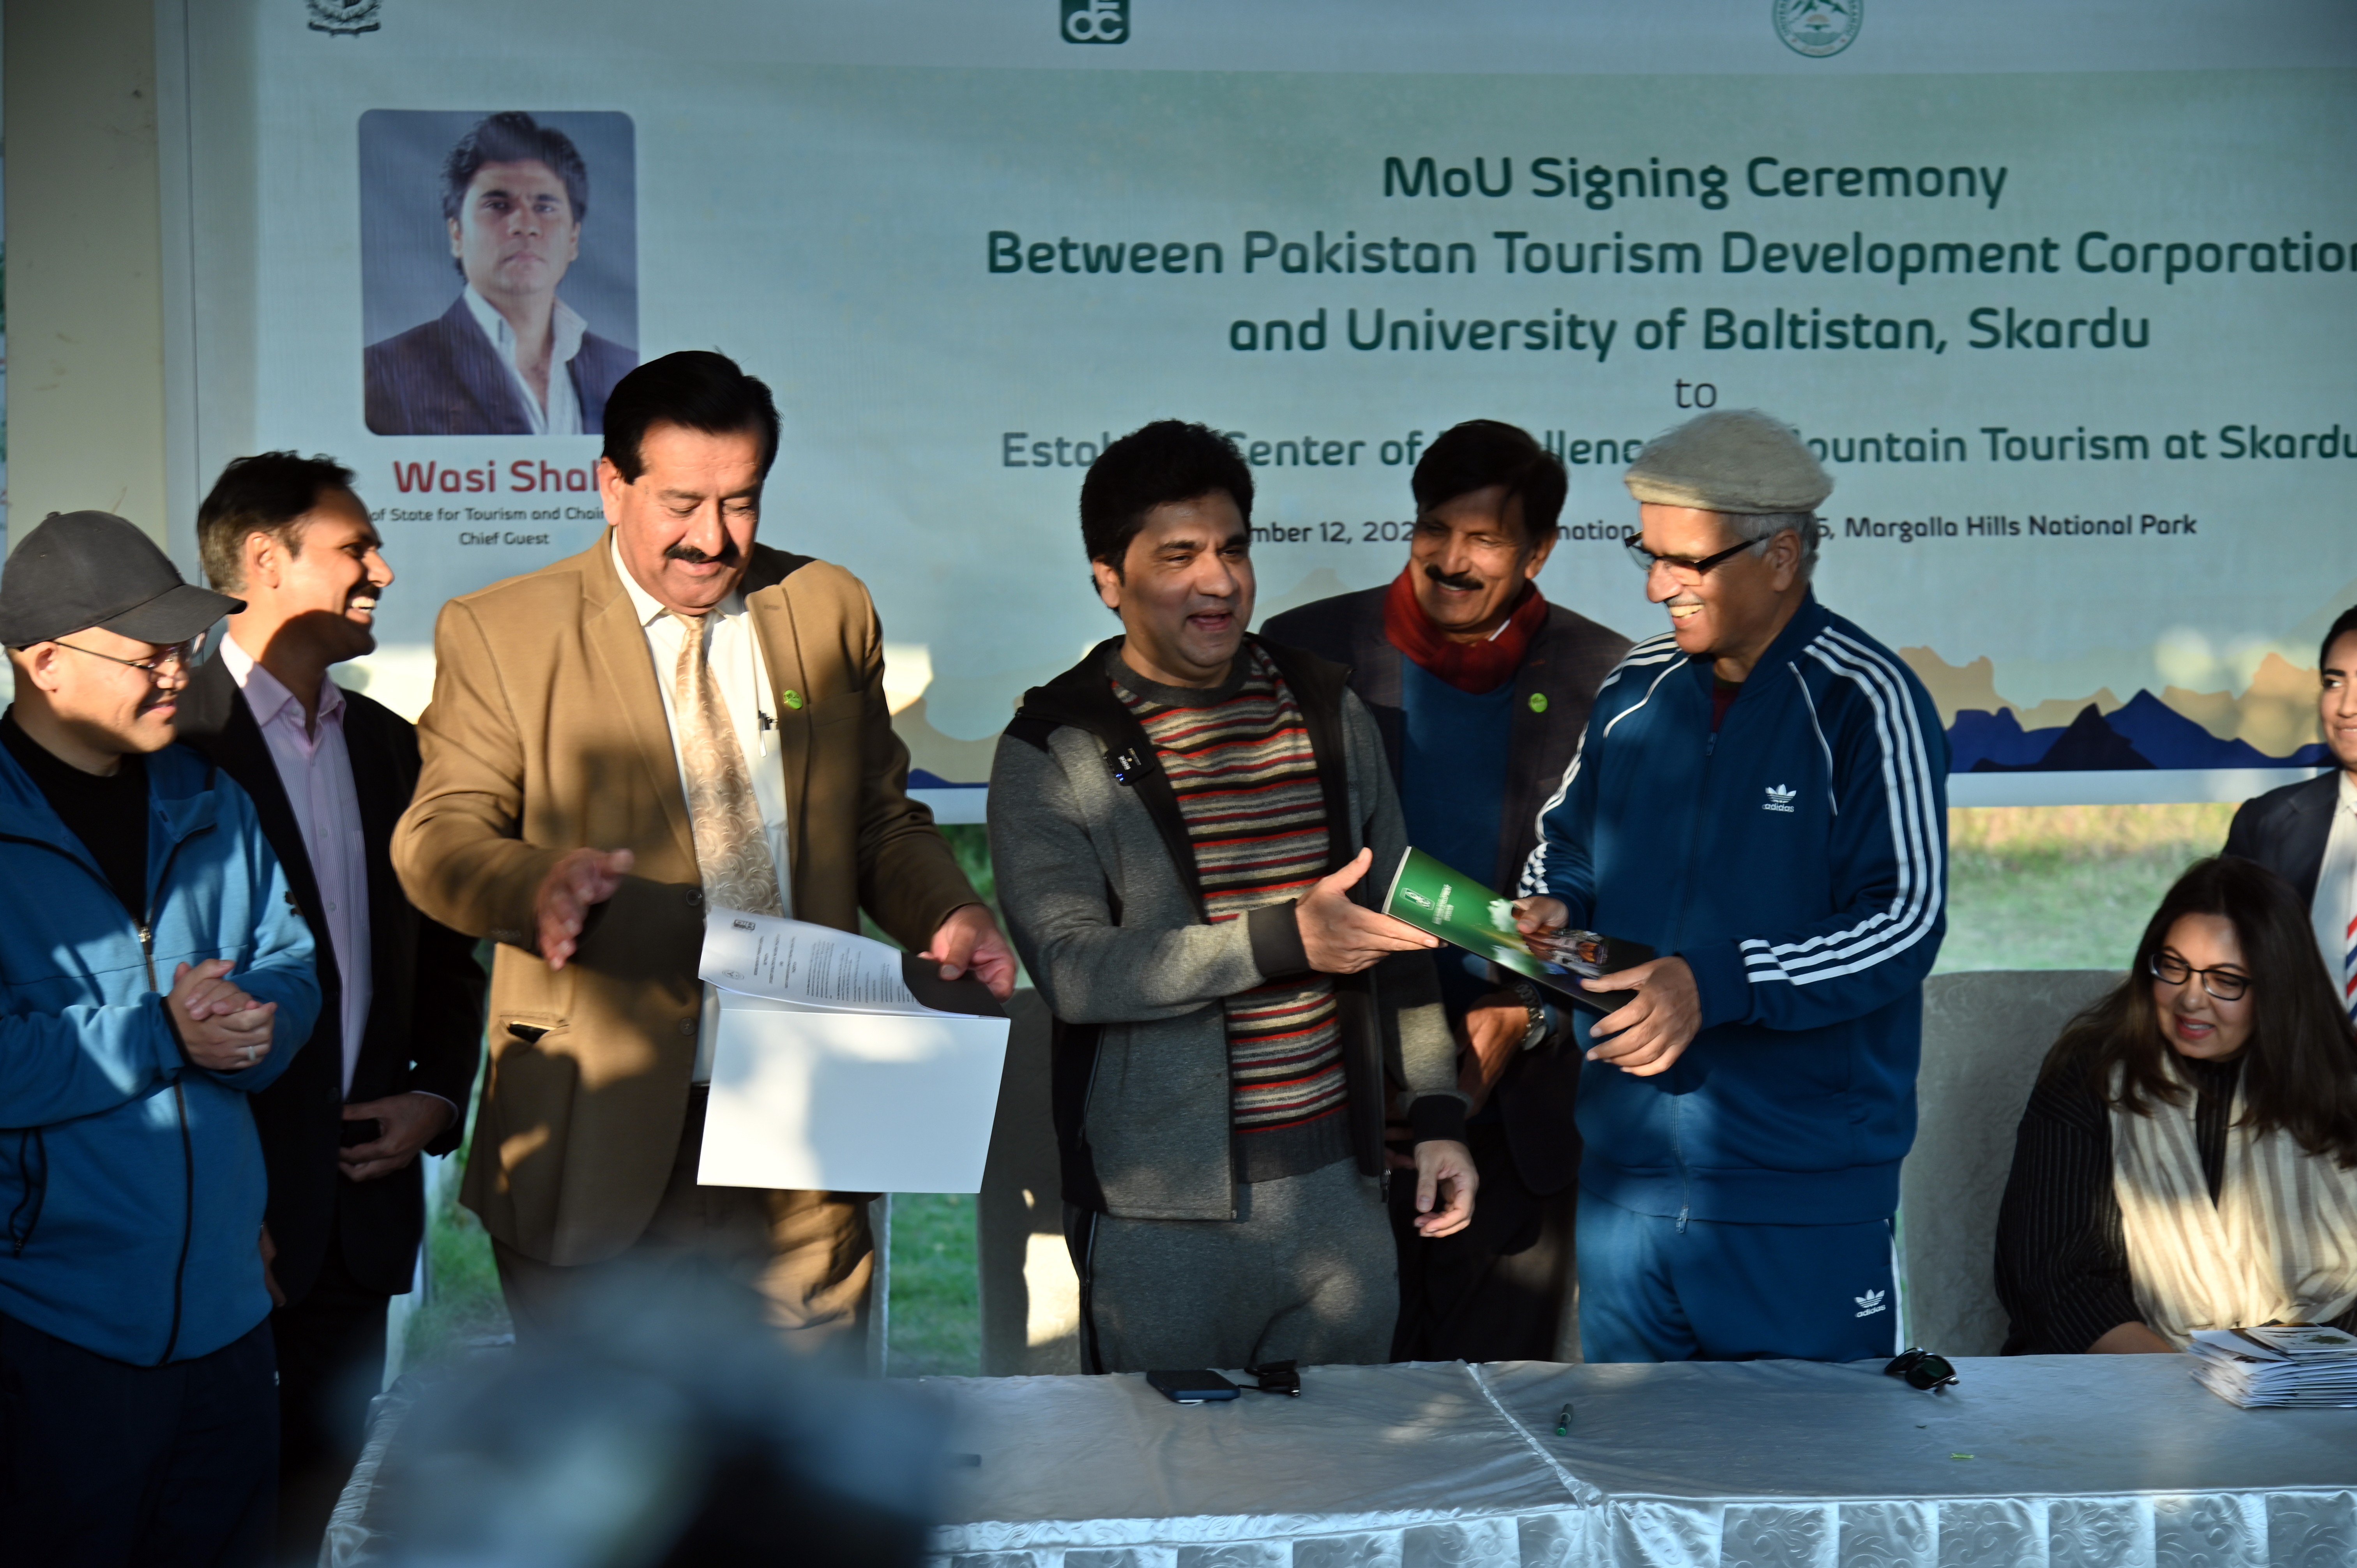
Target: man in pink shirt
{"x": 388, "y": 1070}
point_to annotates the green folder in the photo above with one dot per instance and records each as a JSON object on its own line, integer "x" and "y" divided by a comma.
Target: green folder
{"x": 1459, "y": 910}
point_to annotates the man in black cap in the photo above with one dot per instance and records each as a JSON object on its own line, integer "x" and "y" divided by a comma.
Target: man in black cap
{"x": 154, "y": 972}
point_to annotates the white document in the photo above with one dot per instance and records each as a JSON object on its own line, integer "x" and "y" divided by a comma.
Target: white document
{"x": 826, "y": 1099}
{"x": 829, "y": 1075}
{"x": 793, "y": 961}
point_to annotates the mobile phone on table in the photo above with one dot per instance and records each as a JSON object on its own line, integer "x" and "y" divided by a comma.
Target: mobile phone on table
{"x": 1192, "y": 1387}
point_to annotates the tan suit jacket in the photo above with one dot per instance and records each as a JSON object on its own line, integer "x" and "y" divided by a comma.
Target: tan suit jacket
{"x": 547, "y": 734}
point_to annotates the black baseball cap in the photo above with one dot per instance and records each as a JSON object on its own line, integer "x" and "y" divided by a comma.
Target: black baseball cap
{"x": 83, "y": 569}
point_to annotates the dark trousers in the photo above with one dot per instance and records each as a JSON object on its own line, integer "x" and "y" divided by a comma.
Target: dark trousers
{"x": 1654, "y": 1287}
{"x": 1495, "y": 1290}
{"x": 104, "y": 1463}
{"x": 330, "y": 1364}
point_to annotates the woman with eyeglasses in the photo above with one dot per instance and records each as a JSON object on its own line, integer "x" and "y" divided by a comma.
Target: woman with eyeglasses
{"x": 2188, "y": 1157}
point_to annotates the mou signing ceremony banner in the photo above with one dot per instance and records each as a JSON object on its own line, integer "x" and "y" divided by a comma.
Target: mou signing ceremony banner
{"x": 2061, "y": 294}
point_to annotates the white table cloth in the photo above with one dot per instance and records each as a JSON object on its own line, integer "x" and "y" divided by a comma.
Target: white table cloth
{"x": 2073, "y": 1460}
{"x": 2086, "y": 1461}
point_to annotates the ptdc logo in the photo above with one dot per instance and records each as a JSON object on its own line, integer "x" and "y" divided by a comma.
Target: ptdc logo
{"x": 1096, "y": 21}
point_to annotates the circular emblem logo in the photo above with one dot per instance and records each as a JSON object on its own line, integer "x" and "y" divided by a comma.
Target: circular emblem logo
{"x": 1817, "y": 28}
{"x": 1538, "y": 701}
{"x": 793, "y": 699}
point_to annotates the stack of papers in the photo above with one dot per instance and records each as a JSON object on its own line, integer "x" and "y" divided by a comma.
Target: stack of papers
{"x": 843, "y": 1064}
{"x": 2310, "y": 1367}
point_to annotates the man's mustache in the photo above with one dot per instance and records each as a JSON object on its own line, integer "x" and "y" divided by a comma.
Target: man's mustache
{"x": 695, "y": 557}
{"x": 1462, "y": 582}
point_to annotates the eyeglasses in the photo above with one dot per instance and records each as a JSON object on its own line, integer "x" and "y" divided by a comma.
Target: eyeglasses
{"x": 1921, "y": 1369}
{"x": 1278, "y": 1378}
{"x": 2225, "y": 985}
{"x": 181, "y": 657}
{"x": 1683, "y": 568}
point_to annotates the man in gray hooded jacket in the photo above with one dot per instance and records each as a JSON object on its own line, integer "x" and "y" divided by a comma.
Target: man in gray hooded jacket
{"x": 1184, "y": 826}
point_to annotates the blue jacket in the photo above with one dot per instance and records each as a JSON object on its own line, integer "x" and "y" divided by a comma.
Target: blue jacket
{"x": 131, "y": 1184}
{"x": 1797, "y": 860}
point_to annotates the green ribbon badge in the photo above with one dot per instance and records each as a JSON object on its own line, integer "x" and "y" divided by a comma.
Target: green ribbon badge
{"x": 793, "y": 699}
{"x": 1538, "y": 701}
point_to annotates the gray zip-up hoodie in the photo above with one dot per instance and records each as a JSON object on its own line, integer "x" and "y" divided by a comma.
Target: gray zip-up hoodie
{"x": 1098, "y": 883}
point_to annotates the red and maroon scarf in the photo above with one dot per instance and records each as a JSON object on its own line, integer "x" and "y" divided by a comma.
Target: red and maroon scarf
{"x": 1472, "y": 666}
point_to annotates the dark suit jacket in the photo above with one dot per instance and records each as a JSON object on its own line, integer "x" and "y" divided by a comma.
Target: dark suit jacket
{"x": 444, "y": 377}
{"x": 425, "y": 1013}
{"x": 1567, "y": 660}
{"x": 2285, "y": 829}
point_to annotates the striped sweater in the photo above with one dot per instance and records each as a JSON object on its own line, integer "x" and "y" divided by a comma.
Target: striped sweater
{"x": 1238, "y": 758}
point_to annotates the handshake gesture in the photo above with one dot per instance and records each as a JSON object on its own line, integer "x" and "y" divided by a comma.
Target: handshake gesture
{"x": 222, "y": 1028}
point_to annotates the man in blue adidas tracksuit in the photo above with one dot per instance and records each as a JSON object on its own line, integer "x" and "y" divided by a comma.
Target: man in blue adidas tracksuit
{"x": 1760, "y": 798}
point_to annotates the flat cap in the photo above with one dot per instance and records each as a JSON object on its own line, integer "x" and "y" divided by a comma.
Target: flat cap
{"x": 1737, "y": 459}
{"x": 83, "y": 569}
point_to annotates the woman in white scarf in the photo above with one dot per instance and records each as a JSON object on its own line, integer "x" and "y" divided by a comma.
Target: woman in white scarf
{"x": 2188, "y": 1159}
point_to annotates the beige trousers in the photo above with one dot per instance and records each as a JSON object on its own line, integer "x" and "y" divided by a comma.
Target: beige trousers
{"x": 810, "y": 1255}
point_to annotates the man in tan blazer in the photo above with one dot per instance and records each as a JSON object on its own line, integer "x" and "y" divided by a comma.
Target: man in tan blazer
{"x": 674, "y": 717}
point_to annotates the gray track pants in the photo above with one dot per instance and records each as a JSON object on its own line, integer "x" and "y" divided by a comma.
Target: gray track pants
{"x": 1307, "y": 1272}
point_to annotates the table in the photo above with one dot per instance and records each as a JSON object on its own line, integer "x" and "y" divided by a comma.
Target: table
{"x": 2079, "y": 1460}
{"x": 2065, "y": 1459}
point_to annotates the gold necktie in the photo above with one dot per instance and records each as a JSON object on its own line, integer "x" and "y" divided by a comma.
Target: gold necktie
{"x": 732, "y": 851}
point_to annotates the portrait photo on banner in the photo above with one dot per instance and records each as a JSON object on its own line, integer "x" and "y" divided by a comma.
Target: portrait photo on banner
{"x": 499, "y": 269}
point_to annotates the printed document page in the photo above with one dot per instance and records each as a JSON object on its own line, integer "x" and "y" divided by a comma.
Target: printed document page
{"x": 828, "y": 1073}
{"x": 793, "y": 961}
{"x": 832, "y": 1100}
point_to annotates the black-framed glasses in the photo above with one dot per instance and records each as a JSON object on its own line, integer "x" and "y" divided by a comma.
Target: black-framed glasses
{"x": 180, "y": 656}
{"x": 1683, "y": 567}
{"x": 2225, "y": 985}
{"x": 1921, "y": 1369}
{"x": 1278, "y": 1378}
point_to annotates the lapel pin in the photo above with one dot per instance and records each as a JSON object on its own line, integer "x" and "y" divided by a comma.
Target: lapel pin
{"x": 792, "y": 699}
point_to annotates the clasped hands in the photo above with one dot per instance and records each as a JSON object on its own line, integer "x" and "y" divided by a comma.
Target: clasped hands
{"x": 1648, "y": 1034}
{"x": 968, "y": 941}
{"x": 222, "y": 1028}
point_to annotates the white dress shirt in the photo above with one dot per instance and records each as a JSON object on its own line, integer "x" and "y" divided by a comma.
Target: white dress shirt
{"x": 2335, "y": 904}
{"x": 316, "y": 770}
{"x": 562, "y": 414}
{"x": 733, "y": 651}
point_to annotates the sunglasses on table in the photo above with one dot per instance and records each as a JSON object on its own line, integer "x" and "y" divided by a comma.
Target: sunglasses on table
{"x": 1277, "y": 1377}
{"x": 1923, "y": 1370}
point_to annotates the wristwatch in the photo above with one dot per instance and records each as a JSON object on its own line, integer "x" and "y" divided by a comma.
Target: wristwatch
{"x": 1542, "y": 1024}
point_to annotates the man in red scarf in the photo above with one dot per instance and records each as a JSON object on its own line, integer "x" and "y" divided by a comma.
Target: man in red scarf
{"x": 1481, "y": 689}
